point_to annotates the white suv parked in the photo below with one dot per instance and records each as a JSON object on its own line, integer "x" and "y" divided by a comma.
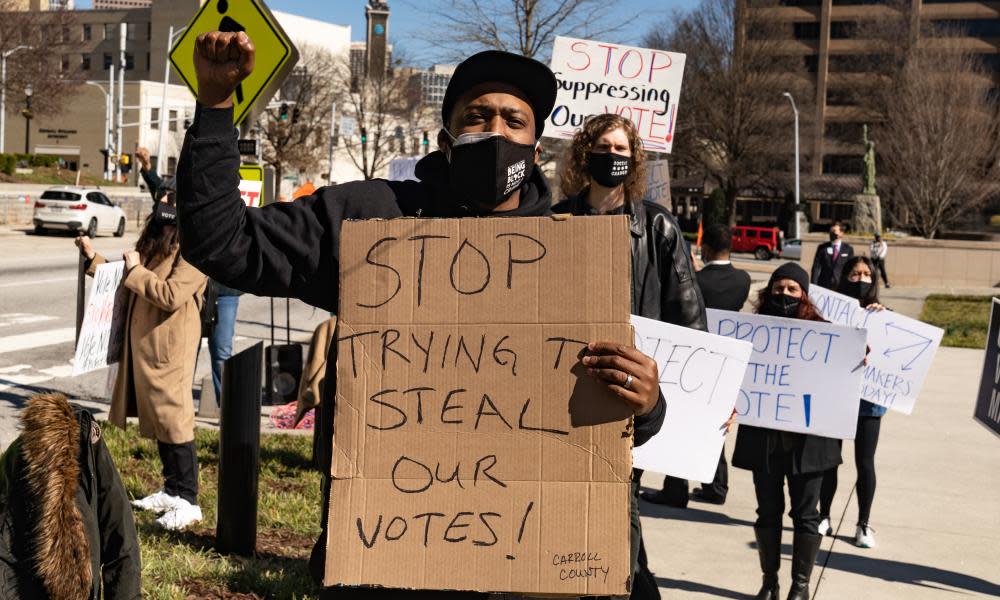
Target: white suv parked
{"x": 85, "y": 210}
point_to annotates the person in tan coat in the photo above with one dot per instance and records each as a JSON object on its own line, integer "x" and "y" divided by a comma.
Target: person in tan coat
{"x": 159, "y": 354}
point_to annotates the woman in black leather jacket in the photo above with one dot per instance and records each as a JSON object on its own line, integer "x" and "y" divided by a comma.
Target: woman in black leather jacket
{"x": 605, "y": 174}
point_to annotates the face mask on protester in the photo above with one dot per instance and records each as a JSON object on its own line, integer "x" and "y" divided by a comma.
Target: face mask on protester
{"x": 607, "y": 168}
{"x": 783, "y": 305}
{"x": 857, "y": 289}
{"x": 164, "y": 214}
{"x": 488, "y": 168}
{"x": 834, "y": 237}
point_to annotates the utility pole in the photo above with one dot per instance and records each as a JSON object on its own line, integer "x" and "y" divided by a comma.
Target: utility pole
{"x": 333, "y": 133}
{"x": 160, "y": 161}
{"x": 111, "y": 170}
{"x": 795, "y": 215}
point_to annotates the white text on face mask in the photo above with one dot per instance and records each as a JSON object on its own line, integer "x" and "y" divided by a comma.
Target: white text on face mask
{"x": 515, "y": 175}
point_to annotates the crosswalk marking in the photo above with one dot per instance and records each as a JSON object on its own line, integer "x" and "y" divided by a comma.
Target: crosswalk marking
{"x": 38, "y": 339}
{"x": 36, "y": 282}
{"x": 12, "y": 319}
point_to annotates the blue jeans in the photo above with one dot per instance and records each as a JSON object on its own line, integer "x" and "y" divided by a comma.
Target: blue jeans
{"x": 220, "y": 345}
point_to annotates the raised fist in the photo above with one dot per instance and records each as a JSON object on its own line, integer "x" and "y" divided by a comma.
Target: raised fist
{"x": 142, "y": 157}
{"x": 221, "y": 61}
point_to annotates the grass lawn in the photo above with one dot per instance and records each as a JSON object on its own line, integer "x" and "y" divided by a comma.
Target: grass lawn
{"x": 965, "y": 319}
{"x": 53, "y": 176}
{"x": 185, "y": 566}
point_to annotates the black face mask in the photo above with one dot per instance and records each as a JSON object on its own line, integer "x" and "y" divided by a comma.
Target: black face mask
{"x": 857, "y": 289}
{"x": 782, "y": 305}
{"x": 487, "y": 170}
{"x": 608, "y": 169}
{"x": 834, "y": 237}
{"x": 164, "y": 214}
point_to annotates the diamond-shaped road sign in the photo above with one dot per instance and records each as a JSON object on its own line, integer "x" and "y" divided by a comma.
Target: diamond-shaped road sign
{"x": 276, "y": 55}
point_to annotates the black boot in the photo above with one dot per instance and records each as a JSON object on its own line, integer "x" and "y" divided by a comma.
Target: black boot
{"x": 769, "y": 549}
{"x": 805, "y": 547}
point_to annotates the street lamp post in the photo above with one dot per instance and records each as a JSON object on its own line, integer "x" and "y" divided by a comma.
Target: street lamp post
{"x": 171, "y": 34}
{"x": 28, "y": 91}
{"x": 795, "y": 216}
{"x": 3, "y": 93}
{"x": 107, "y": 124}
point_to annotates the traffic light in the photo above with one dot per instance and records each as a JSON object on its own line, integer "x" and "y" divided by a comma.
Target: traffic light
{"x": 126, "y": 164}
{"x": 364, "y": 135}
{"x": 424, "y": 141}
{"x": 283, "y": 112}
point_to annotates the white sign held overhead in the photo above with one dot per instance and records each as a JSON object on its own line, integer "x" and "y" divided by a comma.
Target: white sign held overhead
{"x": 641, "y": 84}
{"x": 803, "y": 376}
{"x": 902, "y": 349}
{"x": 658, "y": 183}
{"x": 700, "y": 377}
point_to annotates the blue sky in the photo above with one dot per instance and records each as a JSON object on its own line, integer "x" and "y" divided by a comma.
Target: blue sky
{"x": 407, "y": 25}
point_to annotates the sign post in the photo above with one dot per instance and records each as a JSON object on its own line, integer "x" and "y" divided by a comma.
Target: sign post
{"x": 276, "y": 55}
{"x": 988, "y": 402}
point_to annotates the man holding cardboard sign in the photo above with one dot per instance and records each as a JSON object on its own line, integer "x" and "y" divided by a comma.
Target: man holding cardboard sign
{"x": 401, "y": 283}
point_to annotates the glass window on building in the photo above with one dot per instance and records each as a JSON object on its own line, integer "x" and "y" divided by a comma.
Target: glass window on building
{"x": 87, "y": 33}
{"x": 129, "y": 61}
{"x": 109, "y": 31}
{"x": 107, "y": 61}
{"x": 65, "y": 34}
{"x": 171, "y": 165}
{"x": 843, "y": 30}
{"x": 154, "y": 118}
{"x": 64, "y": 63}
{"x": 149, "y": 31}
{"x": 173, "y": 121}
{"x": 85, "y": 62}
{"x": 805, "y": 31}
{"x": 130, "y": 31}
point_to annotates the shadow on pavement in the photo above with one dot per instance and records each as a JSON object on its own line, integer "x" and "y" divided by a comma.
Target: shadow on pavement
{"x": 700, "y": 588}
{"x": 695, "y": 515}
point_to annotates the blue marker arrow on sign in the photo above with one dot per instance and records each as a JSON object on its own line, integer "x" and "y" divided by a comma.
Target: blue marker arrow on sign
{"x": 807, "y": 401}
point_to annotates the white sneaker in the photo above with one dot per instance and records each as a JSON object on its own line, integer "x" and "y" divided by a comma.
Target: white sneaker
{"x": 184, "y": 515}
{"x": 160, "y": 502}
{"x": 824, "y": 527}
{"x": 865, "y": 537}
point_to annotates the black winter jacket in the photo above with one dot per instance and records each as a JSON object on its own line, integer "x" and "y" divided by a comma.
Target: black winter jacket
{"x": 663, "y": 279}
{"x": 66, "y": 527}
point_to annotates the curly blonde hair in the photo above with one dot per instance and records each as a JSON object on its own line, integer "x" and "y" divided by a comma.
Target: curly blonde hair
{"x": 574, "y": 176}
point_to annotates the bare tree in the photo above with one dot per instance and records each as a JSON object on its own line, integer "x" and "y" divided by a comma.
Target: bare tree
{"x": 46, "y": 40}
{"x": 388, "y": 111}
{"x": 296, "y": 137}
{"x": 733, "y": 120}
{"x": 936, "y": 123}
{"x": 527, "y": 27}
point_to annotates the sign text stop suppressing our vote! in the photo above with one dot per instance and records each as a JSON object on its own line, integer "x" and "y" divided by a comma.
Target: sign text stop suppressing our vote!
{"x": 467, "y": 432}
{"x": 803, "y": 376}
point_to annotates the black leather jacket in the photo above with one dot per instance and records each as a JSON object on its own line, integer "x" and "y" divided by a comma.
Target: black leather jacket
{"x": 663, "y": 282}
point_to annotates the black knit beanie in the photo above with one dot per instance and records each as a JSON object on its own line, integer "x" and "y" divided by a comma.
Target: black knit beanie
{"x": 791, "y": 271}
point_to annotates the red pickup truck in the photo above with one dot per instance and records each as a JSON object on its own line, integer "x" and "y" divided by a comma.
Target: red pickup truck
{"x": 764, "y": 242}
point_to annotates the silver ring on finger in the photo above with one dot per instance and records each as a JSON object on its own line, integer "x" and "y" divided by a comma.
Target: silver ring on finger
{"x": 628, "y": 381}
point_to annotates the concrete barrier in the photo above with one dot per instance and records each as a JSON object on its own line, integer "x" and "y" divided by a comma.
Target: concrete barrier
{"x": 927, "y": 263}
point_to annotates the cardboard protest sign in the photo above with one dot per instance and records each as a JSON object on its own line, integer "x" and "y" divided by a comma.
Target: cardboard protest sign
{"x": 640, "y": 84}
{"x": 902, "y": 349}
{"x": 700, "y": 376}
{"x": 658, "y": 183}
{"x": 988, "y": 402}
{"x": 103, "y": 328}
{"x": 471, "y": 449}
{"x": 803, "y": 376}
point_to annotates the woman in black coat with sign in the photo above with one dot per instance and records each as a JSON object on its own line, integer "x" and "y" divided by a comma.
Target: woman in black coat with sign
{"x": 776, "y": 456}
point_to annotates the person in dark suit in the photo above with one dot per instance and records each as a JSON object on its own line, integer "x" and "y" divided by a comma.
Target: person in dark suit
{"x": 830, "y": 259}
{"x": 724, "y": 287}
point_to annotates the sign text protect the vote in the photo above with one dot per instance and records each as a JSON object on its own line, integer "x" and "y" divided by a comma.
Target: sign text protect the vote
{"x": 803, "y": 376}
{"x": 902, "y": 349}
{"x": 700, "y": 377}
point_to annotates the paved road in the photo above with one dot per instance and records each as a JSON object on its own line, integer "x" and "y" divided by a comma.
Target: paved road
{"x": 38, "y": 278}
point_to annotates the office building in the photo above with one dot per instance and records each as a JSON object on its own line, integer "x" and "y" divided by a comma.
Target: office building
{"x": 118, "y": 4}
{"x": 433, "y": 82}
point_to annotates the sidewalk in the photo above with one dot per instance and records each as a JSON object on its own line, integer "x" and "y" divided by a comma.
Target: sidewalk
{"x": 936, "y": 515}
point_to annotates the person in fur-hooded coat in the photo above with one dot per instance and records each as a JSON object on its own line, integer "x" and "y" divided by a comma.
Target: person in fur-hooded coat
{"x": 66, "y": 527}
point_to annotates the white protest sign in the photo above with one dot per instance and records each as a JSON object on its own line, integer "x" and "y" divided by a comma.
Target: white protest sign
{"x": 658, "y": 183}
{"x": 403, "y": 168}
{"x": 700, "y": 377}
{"x": 902, "y": 349}
{"x": 804, "y": 376}
{"x": 103, "y": 320}
{"x": 640, "y": 84}
{"x": 250, "y": 192}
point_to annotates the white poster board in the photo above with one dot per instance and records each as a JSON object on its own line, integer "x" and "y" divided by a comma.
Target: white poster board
{"x": 403, "y": 169}
{"x": 700, "y": 377}
{"x": 640, "y": 84}
{"x": 803, "y": 376}
{"x": 104, "y": 317}
{"x": 658, "y": 183}
{"x": 250, "y": 191}
{"x": 902, "y": 349}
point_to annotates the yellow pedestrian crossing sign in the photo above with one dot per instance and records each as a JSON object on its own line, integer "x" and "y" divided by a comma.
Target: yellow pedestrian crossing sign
{"x": 276, "y": 55}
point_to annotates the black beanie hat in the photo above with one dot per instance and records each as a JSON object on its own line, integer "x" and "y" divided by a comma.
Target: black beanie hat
{"x": 791, "y": 271}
